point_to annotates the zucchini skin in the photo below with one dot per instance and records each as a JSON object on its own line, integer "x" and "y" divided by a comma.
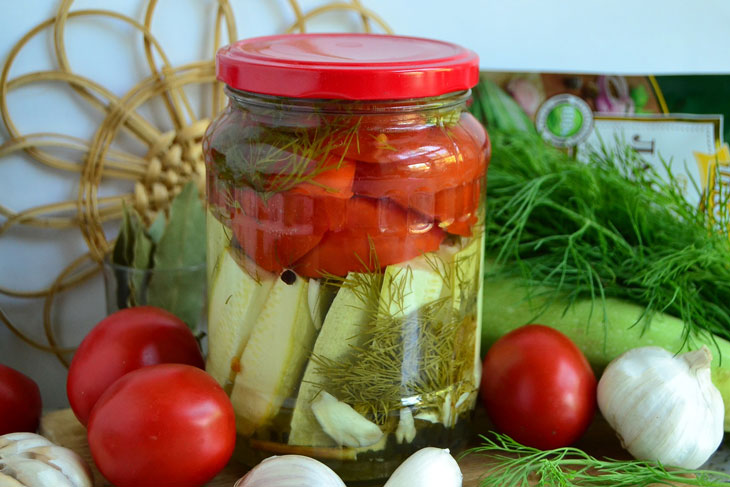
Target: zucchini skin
{"x": 602, "y": 333}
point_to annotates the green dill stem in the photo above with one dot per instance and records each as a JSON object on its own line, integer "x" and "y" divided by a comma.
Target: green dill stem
{"x": 516, "y": 465}
{"x": 372, "y": 378}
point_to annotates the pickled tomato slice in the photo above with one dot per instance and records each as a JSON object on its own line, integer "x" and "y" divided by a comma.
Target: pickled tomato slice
{"x": 375, "y": 233}
{"x": 279, "y": 230}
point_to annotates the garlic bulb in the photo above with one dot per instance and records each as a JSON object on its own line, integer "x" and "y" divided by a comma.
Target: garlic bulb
{"x": 428, "y": 467}
{"x": 30, "y": 460}
{"x": 290, "y": 471}
{"x": 663, "y": 407}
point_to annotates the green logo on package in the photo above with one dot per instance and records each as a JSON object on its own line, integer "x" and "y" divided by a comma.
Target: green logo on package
{"x": 564, "y": 120}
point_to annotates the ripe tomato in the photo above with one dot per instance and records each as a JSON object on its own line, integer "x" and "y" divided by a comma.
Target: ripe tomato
{"x": 122, "y": 342}
{"x": 379, "y": 226}
{"x": 538, "y": 387}
{"x": 20, "y": 402}
{"x": 165, "y": 425}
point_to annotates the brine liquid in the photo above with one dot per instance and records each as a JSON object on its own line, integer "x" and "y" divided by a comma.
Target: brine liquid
{"x": 369, "y": 466}
{"x": 398, "y": 345}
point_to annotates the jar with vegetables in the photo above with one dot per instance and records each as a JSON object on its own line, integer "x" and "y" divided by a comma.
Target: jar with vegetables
{"x": 345, "y": 235}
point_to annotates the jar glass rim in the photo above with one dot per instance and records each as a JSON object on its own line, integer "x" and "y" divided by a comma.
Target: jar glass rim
{"x": 354, "y": 107}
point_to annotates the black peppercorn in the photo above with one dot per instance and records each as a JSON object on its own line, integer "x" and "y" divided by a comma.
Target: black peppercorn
{"x": 289, "y": 277}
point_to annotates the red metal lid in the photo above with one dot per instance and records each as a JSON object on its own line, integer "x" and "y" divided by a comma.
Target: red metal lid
{"x": 347, "y": 66}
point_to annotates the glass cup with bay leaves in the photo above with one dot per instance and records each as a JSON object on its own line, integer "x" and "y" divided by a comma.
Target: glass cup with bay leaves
{"x": 162, "y": 264}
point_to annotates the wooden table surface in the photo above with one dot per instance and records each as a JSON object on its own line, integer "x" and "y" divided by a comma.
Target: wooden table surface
{"x": 63, "y": 428}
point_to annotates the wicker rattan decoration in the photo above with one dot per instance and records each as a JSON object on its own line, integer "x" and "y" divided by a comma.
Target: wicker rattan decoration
{"x": 173, "y": 157}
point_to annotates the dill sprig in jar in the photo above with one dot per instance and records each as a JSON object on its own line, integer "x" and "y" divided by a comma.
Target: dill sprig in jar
{"x": 345, "y": 186}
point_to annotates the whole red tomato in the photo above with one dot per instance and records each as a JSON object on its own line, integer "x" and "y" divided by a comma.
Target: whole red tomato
{"x": 122, "y": 342}
{"x": 168, "y": 425}
{"x": 20, "y": 402}
{"x": 538, "y": 387}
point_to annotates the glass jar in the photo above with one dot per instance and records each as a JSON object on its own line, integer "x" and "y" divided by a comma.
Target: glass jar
{"x": 345, "y": 247}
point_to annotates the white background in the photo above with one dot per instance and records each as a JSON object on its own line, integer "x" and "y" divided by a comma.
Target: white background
{"x": 620, "y": 36}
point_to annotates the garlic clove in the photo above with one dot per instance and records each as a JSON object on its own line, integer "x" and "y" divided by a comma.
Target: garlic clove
{"x": 447, "y": 409}
{"x": 34, "y": 473}
{"x": 290, "y": 471}
{"x": 313, "y": 300}
{"x": 67, "y": 461}
{"x": 7, "y": 481}
{"x": 428, "y": 467}
{"x": 9, "y": 438}
{"x": 429, "y": 415}
{"x": 663, "y": 407}
{"x": 14, "y": 443}
{"x": 343, "y": 424}
{"x": 406, "y": 430}
{"x": 462, "y": 400}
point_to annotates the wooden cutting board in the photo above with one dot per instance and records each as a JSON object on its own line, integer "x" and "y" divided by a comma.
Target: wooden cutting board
{"x": 62, "y": 428}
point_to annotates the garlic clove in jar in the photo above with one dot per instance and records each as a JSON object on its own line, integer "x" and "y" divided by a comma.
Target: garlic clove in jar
{"x": 406, "y": 430}
{"x": 343, "y": 424}
{"x": 663, "y": 407}
{"x": 290, "y": 471}
{"x": 428, "y": 467}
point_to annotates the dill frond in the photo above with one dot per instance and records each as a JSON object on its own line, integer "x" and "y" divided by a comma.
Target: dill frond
{"x": 614, "y": 226}
{"x": 518, "y": 465}
{"x": 427, "y": 353}
{"x": 276, "y": 156}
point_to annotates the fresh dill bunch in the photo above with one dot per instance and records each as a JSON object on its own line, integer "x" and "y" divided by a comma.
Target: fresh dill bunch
{"x": 611, "y": 227}
{"x": 518, "y": 465}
